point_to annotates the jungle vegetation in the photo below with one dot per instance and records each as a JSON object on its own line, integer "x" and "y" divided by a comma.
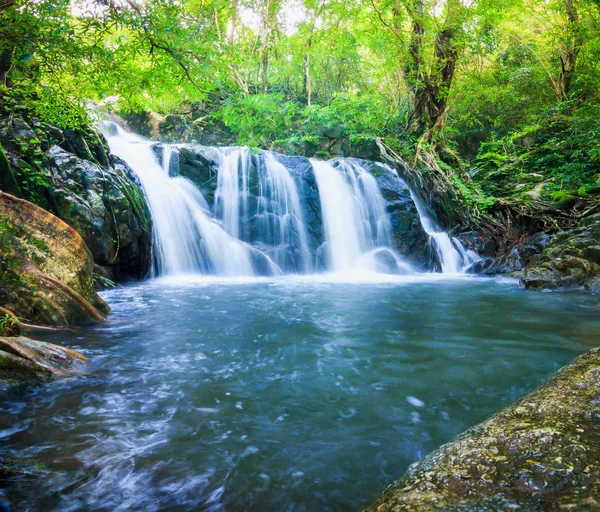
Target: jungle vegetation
{"x": 500, "y": 97}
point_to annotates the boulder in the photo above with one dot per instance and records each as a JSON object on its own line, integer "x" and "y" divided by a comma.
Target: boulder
{"x": 542, "y": 453}
{"x": 23, "y": 359}
{"x": 107, "y": 208}
{"x": 569, "y": 259}
{"x": 45, "y": 267}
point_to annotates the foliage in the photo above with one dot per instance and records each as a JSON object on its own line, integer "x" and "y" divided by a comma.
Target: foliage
{"x": 509, "y": 87}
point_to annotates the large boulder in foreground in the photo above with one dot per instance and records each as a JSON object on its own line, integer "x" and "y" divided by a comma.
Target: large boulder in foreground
{"x": 542, "y": 453}
{"x": 45, "y": 267}
{"x": 23, "y": 359}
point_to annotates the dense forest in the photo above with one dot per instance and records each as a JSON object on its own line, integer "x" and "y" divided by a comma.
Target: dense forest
{"x": 499, "y": 97}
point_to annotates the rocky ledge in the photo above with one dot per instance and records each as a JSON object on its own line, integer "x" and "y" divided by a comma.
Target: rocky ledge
{"x": 570, "y": 259}
{"x": 542, "y": 453}
{"x": 23, "y": 359}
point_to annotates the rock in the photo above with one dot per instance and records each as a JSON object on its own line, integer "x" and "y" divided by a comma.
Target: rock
{"x": 174, "y": 128}
{"x": 523, "y": 254}
{"x": 541, "y": 453}
{"x": 12, "y": 468}
{"x": 410, "y": 239}
{"x": 199, "y": 164}
{"x": 570, "y": 259}
{"x": 107, "y": 208}
{"x": 301, "y": 170}
{"x": 23, "y": 359}
{"x": 481, "y": 243}
{"x": 145, "y": 123}
{"x": 485, "y": 266}
{"x": 72, "y": 174}
{"x": 45, "y": 267}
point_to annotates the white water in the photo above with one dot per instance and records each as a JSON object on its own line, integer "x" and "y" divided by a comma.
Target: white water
{"x": 354, "y": 218}
{"x": 453, "y": 257}
{"x": 231, "y": 197}
{"x": 258, "y": 225}
{"x": 275, "y": 222}
{"x": 280, "y": 219}
{"x": 185, "y": 238}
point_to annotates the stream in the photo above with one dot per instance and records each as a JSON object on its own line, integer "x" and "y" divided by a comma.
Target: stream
{"x": 302, "y": 393}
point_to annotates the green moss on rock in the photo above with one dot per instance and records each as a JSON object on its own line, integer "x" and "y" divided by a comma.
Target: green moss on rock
{"x": 541, "y": 453}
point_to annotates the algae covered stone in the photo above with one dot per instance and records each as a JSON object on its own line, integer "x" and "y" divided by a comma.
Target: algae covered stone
{"x": 541, "y": 453}
{"x": 45, "y": 267}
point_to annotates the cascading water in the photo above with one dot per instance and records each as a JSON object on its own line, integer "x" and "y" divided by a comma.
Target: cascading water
{"x": 185, "y": 238}
{"x": 274, "y": 221}
{"x": 257, "y": 226}
{"x": 356, "y": 223}
{"x": 453, "y": 257}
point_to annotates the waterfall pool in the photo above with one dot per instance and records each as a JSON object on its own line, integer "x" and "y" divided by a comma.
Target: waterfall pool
{"x": 294, "y": 393}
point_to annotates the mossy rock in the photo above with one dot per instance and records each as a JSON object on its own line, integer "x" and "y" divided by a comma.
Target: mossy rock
{"x": 541, "y": 453}
{"x": 45, "y": 267}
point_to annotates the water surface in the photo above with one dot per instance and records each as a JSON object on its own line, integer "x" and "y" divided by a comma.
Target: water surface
{"x": 282, "y": 394}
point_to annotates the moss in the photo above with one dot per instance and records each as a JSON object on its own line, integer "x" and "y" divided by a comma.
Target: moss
{"x": 541, "y": 453}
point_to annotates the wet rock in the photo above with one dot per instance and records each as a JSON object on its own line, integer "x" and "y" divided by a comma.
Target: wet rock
{"x": 199, "y": 164}
{"x": 410, "y": 239}
{"x": 480, "y": 243}
{"x": 107, "y": 208}
{"x": 23, "y": 359}
{"x": 570, "y": 259}
{"x": 523, "y": 254}
{"x": 485, "y": 266}
{"x": 45, "y": 267}
{"x": 13, "y": 468}
{"x": 301, "y": 170}
{"x": 542, "y": 453}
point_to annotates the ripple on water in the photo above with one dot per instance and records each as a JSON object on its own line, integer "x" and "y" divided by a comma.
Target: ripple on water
{"x": 281, "y": 394}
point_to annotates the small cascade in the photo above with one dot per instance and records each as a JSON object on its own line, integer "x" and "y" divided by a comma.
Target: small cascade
{"x": 170, "y": 161}
{"x": 185, "y": 238}
{"x": 270, "y": 215}
{"x": 357, "y": 227}
{"x": 231, "y": 197}
{"x": 280, "y": 222}
{"x": 453, "y": 257}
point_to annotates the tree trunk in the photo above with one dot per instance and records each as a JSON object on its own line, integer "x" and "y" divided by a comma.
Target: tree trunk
{"x": 307, "y": 84}
{"x": 568, "y": 59}
{"x": 429, "y": 88}
{"x": 265, "y": 47}
{"x": 5, "y": 5}
{"x": 232, "y": 23}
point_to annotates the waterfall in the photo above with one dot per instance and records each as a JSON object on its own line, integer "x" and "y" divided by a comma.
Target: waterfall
{"x": 170, "y": 161}
{"x": 357, "y": 227}
{"x": 274, "y": 221}
{"x": 453, "y": 257}
{"x": 255, "y": 224}
{"x": 185, "y": 238}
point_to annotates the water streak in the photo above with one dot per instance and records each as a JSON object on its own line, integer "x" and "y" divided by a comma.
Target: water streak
{"x": 185, "y": 238}
{"x": 354, "y": 219}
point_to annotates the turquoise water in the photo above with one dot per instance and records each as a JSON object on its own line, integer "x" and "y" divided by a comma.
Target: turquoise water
{"x": 290, "y": 394}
